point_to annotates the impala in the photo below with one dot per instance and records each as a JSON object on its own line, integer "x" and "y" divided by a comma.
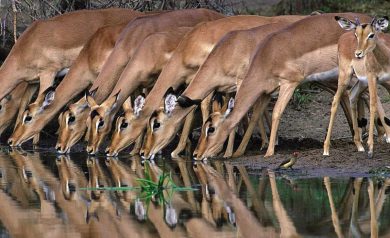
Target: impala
{"x": 222, "y": 71}
{"x": 181, "y": 68}
{"x": 313, "y": 58}
{"x": 82, "y": 73}
{"x": 367, "y": 58}
{"x": 47, "y": 46}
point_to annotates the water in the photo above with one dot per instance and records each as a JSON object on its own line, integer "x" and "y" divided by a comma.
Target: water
{"x": 41, "y": 197}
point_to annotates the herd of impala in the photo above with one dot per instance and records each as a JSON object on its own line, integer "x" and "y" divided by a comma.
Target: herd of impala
{"x": 157, "y": 67}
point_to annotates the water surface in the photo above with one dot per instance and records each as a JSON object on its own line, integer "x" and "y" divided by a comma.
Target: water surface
{"x": 41, "y": 197}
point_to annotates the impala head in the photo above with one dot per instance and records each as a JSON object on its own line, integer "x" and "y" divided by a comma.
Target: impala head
{"x": 366, "y": 34}
{"x": 122, "y": 137}
{"x": 100, "y": 121}
{"x": 214, "y": 132}
{"x": 68, "y": 185}
{"x": 72, "y": 125}
{"x": 30, "y": 123}
{"x": 95, "y": 175}
{"x": 157, "y": 137}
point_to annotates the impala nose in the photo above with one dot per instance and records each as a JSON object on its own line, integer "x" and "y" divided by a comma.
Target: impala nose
{"x": 359, "y": 54}
{"x": 90, "y": 151}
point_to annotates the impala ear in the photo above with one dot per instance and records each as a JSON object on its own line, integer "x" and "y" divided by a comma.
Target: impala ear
{"x": 111, "y": 101}
{"x": 169, "y": 103}
{"x": 380, "y": 24}
{"x": 90, "y": 101}
{"x": 230, "y": 107}
{"x": 139, "y": 103}
{"x": 345, "y": 23}
{"x": 49, "y": 97}
{"x": 217, "y": 102}
{"x": 127, "y": 105}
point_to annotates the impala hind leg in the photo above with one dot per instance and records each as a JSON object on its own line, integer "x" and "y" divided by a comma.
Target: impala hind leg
{"x": 263, "y": 133}
{"x": 357, "y": 124}
{"x": 260, "y": 106}
{"x": 343, "y": 81}
{"x": 285, "y": 93}
{"x": 383, "y": 121}
{"x": 184, "y": 134}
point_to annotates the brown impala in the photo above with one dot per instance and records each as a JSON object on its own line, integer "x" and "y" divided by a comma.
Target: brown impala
{"x": 367, "y": 58}
{"x": 185, "y": 61}
{"x": 124, "y": 50}
{"x": 47, "y": 46}
{"x": 82, "y": 73}
{"x": 277, "y": 65}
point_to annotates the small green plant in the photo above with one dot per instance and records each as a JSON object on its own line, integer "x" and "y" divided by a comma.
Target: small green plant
{"x": 160, "y": 191}
{"x": 300, "y": 98}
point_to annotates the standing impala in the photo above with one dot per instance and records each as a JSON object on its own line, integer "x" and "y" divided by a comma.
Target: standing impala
{"x": 367, "y": 58}
{"x": 148, "y": 60}
{"x": 182, "y": 67}
{"x": 47, "y": 46}
{"x": 278, "y": 65}
{"x": 82, "y": 74}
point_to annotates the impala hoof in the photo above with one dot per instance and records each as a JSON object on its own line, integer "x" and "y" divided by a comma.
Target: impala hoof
{"x": 326, "y": 153}
{"x": 370, "y": 154}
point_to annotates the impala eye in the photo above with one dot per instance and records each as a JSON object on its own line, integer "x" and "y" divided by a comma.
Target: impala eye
{"x": 101, "y": 123}
{"x": 71, "y": 119}
{"x": 211, "y": 130}
{"x": 370, "y": 36}
{"x": 156, "y": 125}
{"x": 124, "y": 125}
{"x": 27, "y": 119}
{"x": 1, "y": 107}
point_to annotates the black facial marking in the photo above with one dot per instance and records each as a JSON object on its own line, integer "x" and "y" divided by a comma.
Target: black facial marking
{"x": 387, "y": 121}
{"x": 378, "y": 120}
{"x": 218, "y": 97}
{"x": 185, "y": 101}
{"x": 94, "y": 113}
{"x": 362, "y": 122}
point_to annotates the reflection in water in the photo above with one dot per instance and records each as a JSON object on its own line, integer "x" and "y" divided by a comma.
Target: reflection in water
{"x": 41, "y": 197}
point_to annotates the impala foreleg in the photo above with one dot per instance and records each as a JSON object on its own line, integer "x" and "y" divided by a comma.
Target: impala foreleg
{"x": 258, "y": 111}
{"x": 230, "y": 145}
{"x": 372, "y": 89}
{"x": 138, "y": 145}
{"x": 249, "y": 130}
{"x": 184, "y": 134}
{"x": 344, "y": 78}
{"x": 285, "y": 93}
